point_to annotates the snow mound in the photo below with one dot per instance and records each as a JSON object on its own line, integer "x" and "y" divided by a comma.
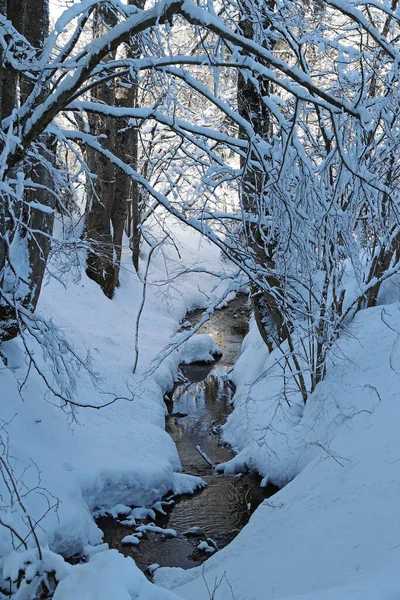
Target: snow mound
{"x": 200, "y": 348}
{"x": 109, "y": 575}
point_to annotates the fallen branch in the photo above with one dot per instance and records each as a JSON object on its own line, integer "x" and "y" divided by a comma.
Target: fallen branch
{"x": 205, "y": 457}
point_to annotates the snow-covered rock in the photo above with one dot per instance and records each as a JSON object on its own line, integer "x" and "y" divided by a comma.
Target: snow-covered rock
{"x": 205, "y": 547}
{"x": 199, "y": 348}
{"x": 130, "y": 540}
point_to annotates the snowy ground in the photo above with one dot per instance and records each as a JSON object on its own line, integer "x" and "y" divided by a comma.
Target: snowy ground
{"x": 333, "y": 532}
{"x": 121, "y": 453}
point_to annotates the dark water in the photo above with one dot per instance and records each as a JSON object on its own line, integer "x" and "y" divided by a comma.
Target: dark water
{"x": 224, "y": 506}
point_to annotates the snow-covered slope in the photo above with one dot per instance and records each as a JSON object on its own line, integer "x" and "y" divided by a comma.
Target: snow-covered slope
{"x": 120, "y": 454}
{"x": 333, "y": 532}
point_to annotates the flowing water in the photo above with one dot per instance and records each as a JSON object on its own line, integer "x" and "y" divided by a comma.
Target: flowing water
{"x": 197, "y": 410}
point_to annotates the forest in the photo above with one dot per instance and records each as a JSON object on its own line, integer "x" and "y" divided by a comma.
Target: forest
{"x": 199, "y": 299}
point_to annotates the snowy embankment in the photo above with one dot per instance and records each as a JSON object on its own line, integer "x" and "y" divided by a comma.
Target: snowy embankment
{"x": 333, "y": 531}
{"x": 91, "y": 458}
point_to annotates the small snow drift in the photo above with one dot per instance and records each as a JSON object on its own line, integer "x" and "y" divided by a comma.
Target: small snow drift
{"x": 109, "y": 575}
{"x": 200, "y": 348}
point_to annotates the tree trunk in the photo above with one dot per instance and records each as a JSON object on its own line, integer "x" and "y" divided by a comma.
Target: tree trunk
{"x": 15, "y": 12}
{"x": 134, "y": 208}
{"x": 33, "y": 234}
{"x": 112, "y": 190}
{"x": 251, "y": 107}
{"x": 36, "y": 28}
{"x": 3, "y": 12}
{"x": 100, "y": 261}
{"x": 127, "y": 192}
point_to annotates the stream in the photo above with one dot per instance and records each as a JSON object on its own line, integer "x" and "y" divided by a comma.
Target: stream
{"x": 215, "y": 514}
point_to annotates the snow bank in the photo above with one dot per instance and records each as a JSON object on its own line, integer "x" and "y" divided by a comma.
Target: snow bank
{"x": 85, "y": 458}
{"x": 333, "y": 531}
{"x": 109, "y": 575}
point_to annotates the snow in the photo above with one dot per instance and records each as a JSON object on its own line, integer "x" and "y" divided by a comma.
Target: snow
{"x": 30, "y": 564}
{"x": 106, "y": 575}
{"x": 333, "y": 531}
{"x": 120, "y": 456}
{"x": 186, "y": 484}
{"x": 153, "y": 568}
{"x": 205, "y": 547}
{"x": 109, "y": 575}
{"x": 115, "y": 511}
{"x": 200, "y": 348}
{"x": 151, "y": 528}
{"x": 132, "y": 540}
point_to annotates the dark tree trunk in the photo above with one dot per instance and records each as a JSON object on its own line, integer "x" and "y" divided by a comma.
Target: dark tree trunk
{"x": 100, "y": 261}
{"x": 39, "y": 244}
{"x": 136, "y": 214}
{"x": 112, "y": 191}
{"x": 3, "y": 12}
{"x": 133, "y": 214}
{"x": 251, "y": 107}
{"x": 32, "y": 20}
{"x": 36, "y": 28}
{"x": 16, "y": 14}
{"x": 379, "y": 267}
{"x": 126, "y": 196}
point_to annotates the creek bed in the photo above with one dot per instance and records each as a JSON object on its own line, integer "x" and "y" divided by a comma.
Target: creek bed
{"x": 197, "y": 409}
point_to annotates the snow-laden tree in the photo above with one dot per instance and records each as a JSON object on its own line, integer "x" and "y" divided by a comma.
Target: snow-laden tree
{"x": 26, "y": 218}
{"x": 307, "y": 149}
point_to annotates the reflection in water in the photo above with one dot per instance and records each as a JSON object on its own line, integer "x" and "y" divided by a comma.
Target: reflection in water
{"x": 225, "y": 505}
{"x": 207, "y": 405}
